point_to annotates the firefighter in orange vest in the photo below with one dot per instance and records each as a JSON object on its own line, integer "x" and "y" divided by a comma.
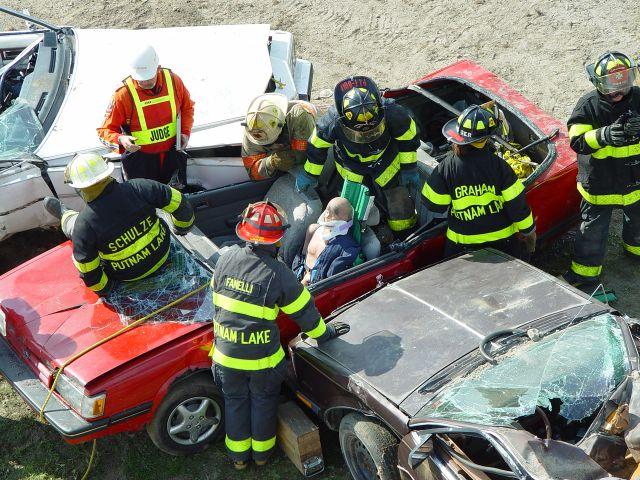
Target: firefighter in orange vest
{"x": 142, "y": 121}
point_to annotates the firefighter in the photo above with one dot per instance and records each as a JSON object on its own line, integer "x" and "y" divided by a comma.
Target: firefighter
{"x": 117, "y": 236}
{"x": 485, "y": 201}
{"x": 604, "y": 130}
{"x": 275, "y": 134}
{"x": 374, "y": 142}
{"x": 142, "y": 121}
{"x": 250, "y": 286}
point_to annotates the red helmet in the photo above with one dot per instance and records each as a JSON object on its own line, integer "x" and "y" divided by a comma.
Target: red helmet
{"x": 262, "y": 223}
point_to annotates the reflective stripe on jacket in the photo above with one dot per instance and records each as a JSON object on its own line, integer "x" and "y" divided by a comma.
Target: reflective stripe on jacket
{"x": 118, "y": 236}
{"x": 150, "y": 132}
{"x": 381, "y": 160}
{"x": 485, "y": 199}
{"x": 607, "y": 175}
{"x": 122, "y": 117}
{"x": 250, "y": 287}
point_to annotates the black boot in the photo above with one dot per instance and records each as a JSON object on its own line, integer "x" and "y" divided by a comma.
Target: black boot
{"x": 585, "y": 285}
{"x": 54, "y": 206}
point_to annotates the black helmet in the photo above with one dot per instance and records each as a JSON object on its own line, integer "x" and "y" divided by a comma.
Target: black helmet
{"x": 474, "y": 124}
{"x": 613, "y": 73}
{"x": 360, "y": 109}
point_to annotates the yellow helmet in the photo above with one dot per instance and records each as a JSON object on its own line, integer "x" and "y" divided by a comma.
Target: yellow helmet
{"x": 87, "y": 169}
{"x": 265, "y": 118}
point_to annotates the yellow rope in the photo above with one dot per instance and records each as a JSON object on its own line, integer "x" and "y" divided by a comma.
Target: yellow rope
{"x": 93, "y": 452}
{"x": 101, "y": 342}
{"x": 110, "y": 337}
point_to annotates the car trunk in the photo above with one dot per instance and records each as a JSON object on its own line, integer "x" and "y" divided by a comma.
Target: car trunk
{"x": 460, "y": 93}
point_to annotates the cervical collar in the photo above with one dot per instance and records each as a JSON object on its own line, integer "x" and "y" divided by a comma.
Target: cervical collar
{"x": 333, "y": 228}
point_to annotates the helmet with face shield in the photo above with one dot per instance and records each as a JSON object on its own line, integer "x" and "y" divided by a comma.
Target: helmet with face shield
{"x": 360, "y": 109}
{"x": 613, "y": 74}
{"x": 265, "y": 118}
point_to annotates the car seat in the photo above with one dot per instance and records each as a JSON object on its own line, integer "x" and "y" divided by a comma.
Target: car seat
{"x": 303, "y": 209}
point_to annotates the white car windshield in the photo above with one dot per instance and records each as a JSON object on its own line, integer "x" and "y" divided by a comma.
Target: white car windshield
{"x": 580, "y": 366}
{"x": 20, "y": 131}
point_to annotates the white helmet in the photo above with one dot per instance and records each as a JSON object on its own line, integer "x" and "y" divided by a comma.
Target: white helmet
{"x": 144, "y": 64}
{"x": 265, "y": 118}
{"x": 87, "y": 169}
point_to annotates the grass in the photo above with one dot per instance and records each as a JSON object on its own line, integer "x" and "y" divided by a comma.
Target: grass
{"x": 34, "y": 451}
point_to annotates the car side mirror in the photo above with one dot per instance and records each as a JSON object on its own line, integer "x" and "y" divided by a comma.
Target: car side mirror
{"x": 424, "y": 448}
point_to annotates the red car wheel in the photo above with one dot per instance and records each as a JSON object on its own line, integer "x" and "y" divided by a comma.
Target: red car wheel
{"x": 189, "y": 418}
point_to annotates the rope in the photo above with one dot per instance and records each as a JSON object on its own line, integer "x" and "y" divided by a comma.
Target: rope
{"x": 93, "y": 452}
{"x": 101, "y": 342}
{"x": 110, "y": 337}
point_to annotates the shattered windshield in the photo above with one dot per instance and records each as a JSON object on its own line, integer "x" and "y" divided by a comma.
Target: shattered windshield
{"x": 20, "y": 131}
{"x": 580, "y": 366}
{"x": 180, "y": 276}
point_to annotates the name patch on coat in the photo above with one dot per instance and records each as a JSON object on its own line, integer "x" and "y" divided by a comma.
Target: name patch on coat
{"x": 241, "y": 286}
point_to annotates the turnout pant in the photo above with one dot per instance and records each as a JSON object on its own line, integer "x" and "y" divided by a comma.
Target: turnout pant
{"x": 251, "y": 409}
{"x": 396, "y": 202}
{"x": 167, "y": 167}
{"x": 591, "y": 241}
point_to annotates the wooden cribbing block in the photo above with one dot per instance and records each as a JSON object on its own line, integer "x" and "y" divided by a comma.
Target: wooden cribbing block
{"x": 299, "y": 438}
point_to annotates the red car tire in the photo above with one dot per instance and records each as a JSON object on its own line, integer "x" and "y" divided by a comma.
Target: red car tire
{"x": 190, "y": 417}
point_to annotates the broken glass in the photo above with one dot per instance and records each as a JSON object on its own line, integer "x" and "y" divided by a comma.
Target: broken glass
{"x": 580, "y": 365}
{"x": 181, "y": 275}
{"x": 20, "y": 131}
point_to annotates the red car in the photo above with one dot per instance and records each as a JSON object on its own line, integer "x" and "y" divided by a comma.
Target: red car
{"x": 157, "y": 375}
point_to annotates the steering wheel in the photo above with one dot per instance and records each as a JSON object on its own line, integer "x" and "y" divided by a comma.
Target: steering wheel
{"x": 547, "y": 424}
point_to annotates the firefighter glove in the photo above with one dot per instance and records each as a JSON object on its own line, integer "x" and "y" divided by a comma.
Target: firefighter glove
{"x": 181, "y": 231}
{"x": 530, "y": 241}
{"x": 632, "y": 127}
{"x": 336, "y": 329}
{"x": 283, "y": 161}
{"x": 613, "y": 134}
{"x": 304, "y": 181}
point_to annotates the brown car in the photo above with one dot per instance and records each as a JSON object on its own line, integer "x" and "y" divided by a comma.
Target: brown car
{"x": 480, "y": 367}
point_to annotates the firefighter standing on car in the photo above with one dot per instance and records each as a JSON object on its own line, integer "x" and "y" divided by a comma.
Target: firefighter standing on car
{"x": 275, "y": 135}
{"x": 118, "y": 236}
{"x": 142, "y": 120}
{"x": 250, "y": 286}
{"x": 484, "y": 198}
{"x": 604, "y": 130}
{"x": 374, "y": 142}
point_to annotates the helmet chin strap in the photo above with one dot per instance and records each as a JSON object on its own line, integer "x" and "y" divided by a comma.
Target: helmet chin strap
{"x": 617, "y": 96}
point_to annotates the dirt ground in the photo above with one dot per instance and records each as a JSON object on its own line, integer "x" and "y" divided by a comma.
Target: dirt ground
{"x": 539, "y": 47}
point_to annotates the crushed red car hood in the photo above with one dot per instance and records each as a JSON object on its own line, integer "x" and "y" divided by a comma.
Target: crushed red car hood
{"x": 53, "y": 315}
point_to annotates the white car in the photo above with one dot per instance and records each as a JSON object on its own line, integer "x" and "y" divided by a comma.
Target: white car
{"x": 56, "y": 84}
